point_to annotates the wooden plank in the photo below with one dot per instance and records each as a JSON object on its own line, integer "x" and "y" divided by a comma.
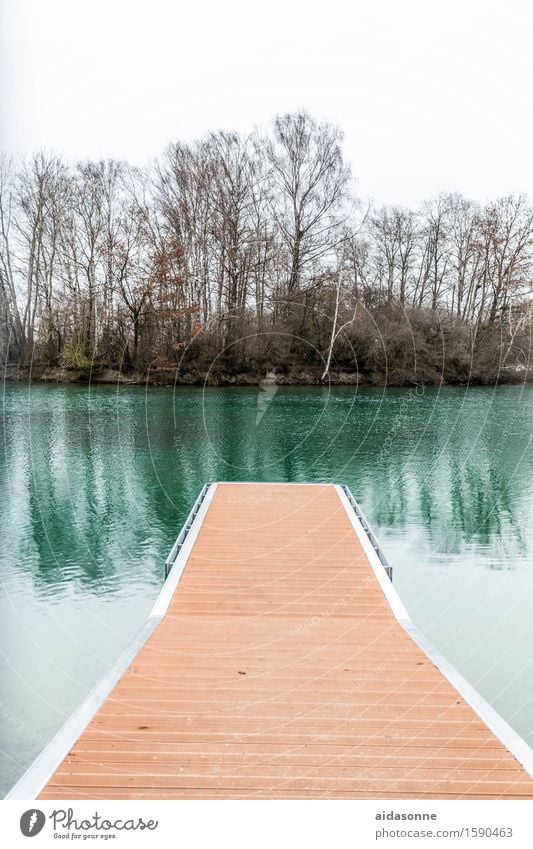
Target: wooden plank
{"x": 280, "y": 671}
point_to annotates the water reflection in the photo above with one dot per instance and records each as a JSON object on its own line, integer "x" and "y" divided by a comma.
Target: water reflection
{"x": 94, "y": 482}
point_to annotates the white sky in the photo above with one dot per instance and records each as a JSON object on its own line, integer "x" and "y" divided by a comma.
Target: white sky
{"x": 431, "y": 95}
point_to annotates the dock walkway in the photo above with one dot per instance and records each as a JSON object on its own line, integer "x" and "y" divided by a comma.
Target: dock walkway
{"x": 280, "y": 663}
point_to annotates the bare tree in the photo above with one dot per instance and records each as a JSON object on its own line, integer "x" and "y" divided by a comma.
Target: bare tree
{"x": 435, "y": 261}
{"x": 509, "y": 226}
{"x": 394, "y": 238}
{"x": 11, "y": 329}
{"x": 309, "y": 190}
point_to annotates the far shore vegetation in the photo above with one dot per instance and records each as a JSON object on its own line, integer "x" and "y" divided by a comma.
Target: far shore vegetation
{"x": 233, "y": 258}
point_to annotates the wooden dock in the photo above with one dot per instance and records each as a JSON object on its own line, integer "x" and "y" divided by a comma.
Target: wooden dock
{"x": 280, "y": 663}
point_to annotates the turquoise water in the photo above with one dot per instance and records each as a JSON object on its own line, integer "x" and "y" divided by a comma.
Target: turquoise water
{"x": 95, "y": 484}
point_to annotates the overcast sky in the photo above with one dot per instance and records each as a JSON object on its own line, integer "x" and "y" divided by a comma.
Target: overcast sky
{"x": 431, "y": 95}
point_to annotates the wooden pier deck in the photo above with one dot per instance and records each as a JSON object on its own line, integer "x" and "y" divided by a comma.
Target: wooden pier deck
{"x": 284, "y": 666}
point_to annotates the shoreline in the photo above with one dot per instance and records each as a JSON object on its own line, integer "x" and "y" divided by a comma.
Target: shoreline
{"x": 295, "y": 377}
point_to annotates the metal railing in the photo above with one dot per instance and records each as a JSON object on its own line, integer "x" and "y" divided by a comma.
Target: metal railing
{"x": 368, "y": 531}
{"x": 176, "y": 548}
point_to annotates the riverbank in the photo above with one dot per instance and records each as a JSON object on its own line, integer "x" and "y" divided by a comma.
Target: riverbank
{"x": 289, "y": 377}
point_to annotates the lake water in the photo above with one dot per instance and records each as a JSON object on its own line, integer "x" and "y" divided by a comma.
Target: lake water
{"x": 96, "y": 482}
